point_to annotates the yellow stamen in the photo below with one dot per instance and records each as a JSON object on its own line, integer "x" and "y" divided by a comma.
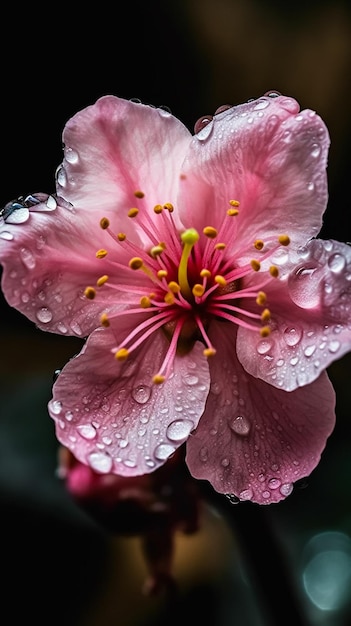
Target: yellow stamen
{"x": 284, "y": 240}
{"x": 104, "y": 320}
{"x": 259, "y": 244}
{"x": 139, "y": 194}
{"x": 232, "y": 212}
{"x": 100, "y": 254}
{"x": 133, "y": 212}
{"x": 169, "y": 207}
{"x": 136, "y": 263}
{"x": 274, "y": 271}
{"x": 122, "y": 354}
{"x": 189, "y": 238}
{"x": 104, "y": 223}
{"x": 234, "y": 202}
{"x": 220, "y": 280}
{"x": 256, "y": 265}
{"x": 174, "y": 287}
{"x": 90, "y": 293}
{"x": 102, "y": 280}
{"x": 265, "y": 331}
{"x": 209, "y": 352}
{"x": 220, "y": 246}
{"x": 210, "y": 232}
{"x": 169, "y": 298}
{"x": 205, "y": 273}
{"x": 198, "y": 290}
{"x": 158, "y": 208}
{"x": 121, "y": 236}
{"x": 162, "y": 273}
{"x": 158, "y": 379}
{"x": 261, "y": 298}
{"x": 145, "y": 302}
{"x": 156, "y": 250}
{"x": 266, "y": 315}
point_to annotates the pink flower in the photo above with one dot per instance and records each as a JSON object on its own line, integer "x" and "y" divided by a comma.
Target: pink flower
{"x": 191, "y": 264}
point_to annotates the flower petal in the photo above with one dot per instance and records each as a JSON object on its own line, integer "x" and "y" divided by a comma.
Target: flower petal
{"x": 255, "y": 441}
{"x": 49, "y": 260}
{"x": 268, "y": 156}
{"x": 311, "y": 309}
{"x": 114, "y": 419}
{"x": 116, "y": 147}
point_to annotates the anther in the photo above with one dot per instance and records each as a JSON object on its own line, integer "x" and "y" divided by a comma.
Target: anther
{"x": 133, "y": 212}
{"x": 158, "y": 208}
{"x": 158, "y": 379}
{"x": 104, "y": 223}
{"x": 266, "y": 315}
{"x": 169, "y": 207}
{"x": 265, "y": 331}
{"x": 145, "y": 302}
{"x": 284, "y": 240}
{"x": 162, "y": 274}
{"x": 156, "y": 250}
{"x": 169, "y": 298}
{"x": 220, "y": 280}
{"x": 121, "y": 236}
{"x": 232, "y": 212}
{"x": 234, "y": 202}
{"x": 90, "y": 293}
{"x": 261, "y": 298}
{"x": 205, "y": 273}
{"x": 139, "y": 194}
{"x": 104, "y": 320}
{"x": 102, "y": 280}
{"x": 100, "y": 254}
{"x": 173, "y": 286}
{"x": 209, "y": 352}
{"x": 274, "y": 271}
{"x": 198, "y": 290}
{"x": 220, "y": 246}
{"x": 135, "y": 263}
{"x": 258, "y": 244}
{"x": 122, "y": 354}
{"x": 256, "y": 265}
{"x": 210, "y": 232}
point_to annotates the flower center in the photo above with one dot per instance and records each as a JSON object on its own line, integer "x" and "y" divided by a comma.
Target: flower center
{"x": 184, "y": 282}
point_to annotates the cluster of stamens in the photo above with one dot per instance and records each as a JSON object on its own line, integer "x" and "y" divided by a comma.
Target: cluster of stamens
{"x": 187, "y": 282}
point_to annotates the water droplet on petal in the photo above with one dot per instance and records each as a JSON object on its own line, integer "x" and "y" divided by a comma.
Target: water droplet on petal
{"x": 309, "y": 350}
{"x": 303, "y": 287}
{"x": 336, "y": 263}
{"x": 27, "y": 258}
{"x": 6, "y": 235}
{"x": 179, "y": 430}
{"x": 292, "y": 336}
{"x": 204, "y": 127}
{"x": 334, "y": 346}
{"x": 240, "y": 425}
{"x": 203, "y": 454}
{"x": 71, "y": 155}
{"x": 163, "y": 451}
{"x": 19, "y": 216}
{"x": 141, "y": 394}
{"x": 87, "y": 431}
{"x": 61, "y": 176}
{"x": 246, "y": 494}
{"x": 316, "y": 150}
{"x": 164, "y": 111}
{"x": 286, "y": 489}
{"x": 264, "y": 346}
{"x": 261, "y": 104}
{"x": 44, "y": 315}
{"x": 274, "y": 483}
{"x": 100, "y": 462}
{"x": 55, "y": 407}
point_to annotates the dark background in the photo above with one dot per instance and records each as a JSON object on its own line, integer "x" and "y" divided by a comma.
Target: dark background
{"x": 191, "y": 56}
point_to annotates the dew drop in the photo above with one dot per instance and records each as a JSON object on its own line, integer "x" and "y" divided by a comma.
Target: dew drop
{"x": 100, "y": 462}
{"x": 336, "y": 263}
{"x": 179, "y": 430}
{"x": 204, "y": 128}
{"x": 334, "y": 346}
{"x": 266, "y": 494}
{"x": 55, "y": 407}
{"x": 310, "y": 186}
{"x": 51, "y": 203}
{"x": 44, "y": 315}
{"x": 303, "y": 287}
{"x": 163, "y": 451}
{"x": 203, "y": 454}
{"x": 141, "y": 394}
{"x": 87, "y": 431}
{"x": 240, "y": 425}
{"x": 264, "y": 346}
{"x": 246, "y": 494}
{"x": 286, "y": 489}
{"x": 191, "y": 379}
{"x": 25, "y": 297}
{"x": 164, "y": 111}
{"x": 71, "y": 155}
{"x": 274, "y": 483}
{"x": 5, "y": 234}
{"x": 19, "y": 216}
{"x": 261, "y": 104}
{"x": 309, "y": 350}
{"x": 27, "y": 258}
{"x": 61, "y": 177}
{"x": 316, "y": 150}
{"x": 233, "y": 499}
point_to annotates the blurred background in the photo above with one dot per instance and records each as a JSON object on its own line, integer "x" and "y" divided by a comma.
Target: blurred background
{"x": 60, "y": 566}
